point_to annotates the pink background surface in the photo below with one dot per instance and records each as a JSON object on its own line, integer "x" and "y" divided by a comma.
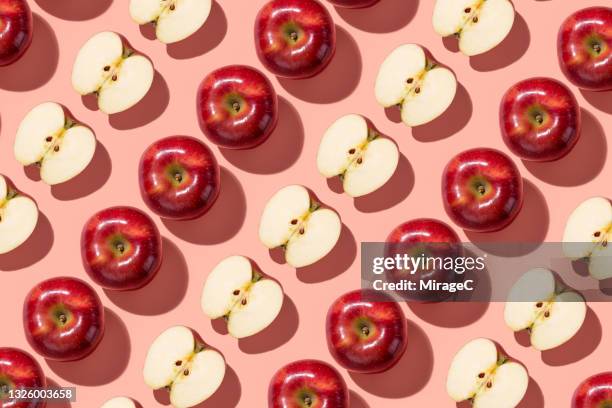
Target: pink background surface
{"x": 249, "y": 178}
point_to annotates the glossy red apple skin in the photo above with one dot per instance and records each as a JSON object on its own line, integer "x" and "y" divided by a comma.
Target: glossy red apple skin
{"x": 308, "y": 384}
{"x": 353, "y": 3}
{"x": 237, "y": 107}
{"x": 19, "y": 370}
{"x": 15, "y": 30}
{"x": 482, "y": 190}
{"x": 179, "y": 178}
{"x": 295, "y": 38}
{"x": 594, "y": 392}
{"x": 539, "y": 119}
{"x": 63, "y": 319}
{"x": 366, "y": 336}
{"x": 121, "y": 248}
{"x": 584, "y": 47}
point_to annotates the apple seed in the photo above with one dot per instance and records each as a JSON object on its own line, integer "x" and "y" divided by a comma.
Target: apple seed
{"x": 236, "y": 292}
{"x": 597, "y": 234}
{"x": 475, "y": 19}
{"x": 56, "y": 149}
{"x": 481, "y": 375}
{"x": 178, "y": 363}
{"x": 49, "y": 138}
{"x": 467, "y": 10}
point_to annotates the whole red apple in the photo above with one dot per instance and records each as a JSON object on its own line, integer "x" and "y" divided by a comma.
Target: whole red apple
{"x": 237, "y": 107}
{"x": 121, "y": 248}
{"x": 19, "y": 370}
{"x": 295, "y": 38}
{"x": 482, "y": 190}
{"x": 308, "y": 384}
{"x": 353, "y": 3}
{"x": 539, "y": 119}
{"x": 584, "y": 47}
{"x": 594, "y": 392}
{"x": 179, "y": 178}
{"x": 15, "y": 30}
{"x": 364, "y": 335}
{"x": 63, "y": 319}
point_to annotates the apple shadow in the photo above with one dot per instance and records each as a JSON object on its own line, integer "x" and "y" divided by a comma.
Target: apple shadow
{"x": 392, "y": 193}
{"x": 90, "y": 180}
{"x": 534, "y": 397}
{"x": 383, "y": 17}
{"x": 582, "y": 164}
{"x": 451, "y": 43}
{"x": 454, "y": 314}
{"x": 57, "y": 403}
{"x": 600, "y": 100}
{"x": 511, "y": 49}
{"x": 333, "y": 264}
{"x": 205, "y": 39}
{"x": 357, "y": 401}
{"x": 106, "y": 363}
{"x": 450, "y": 122}
{"x": 164, "y": 292}
{"x": 279, "y": 152}
{"x": 394, "y": 114}
{"x": 409, "y": 375}
{"x": 75, "y": 10}
{"x": 222, "y": 222}
{"x": 35, "y": 248}
{"x": 278, "y": 333}
{"x": 337, "y": 81}
{"x": 38, "y": 64}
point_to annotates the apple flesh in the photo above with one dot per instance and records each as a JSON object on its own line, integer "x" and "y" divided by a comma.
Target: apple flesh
{"x": 190, "y": 371}
{"x": 59, "y": 146}
{"x": 422, "y": 89}
{"x": 305, "y": 231}
{"x": 119, "y": 402}
{"x": 480, "y": 25}
{"x": 353, "y": 3}
{"x": 479, "y": 373}
{"x": 482, "y": 190}
{"x": 116, "y": 75}
{"x": 174, "y": 20}
{"x": 594, "y": 392}
{"x": 539, "y": 119}
{"x": 294, "y": 38}
{"x": 121, "y": 248}
{"x": 15, "y": 30}
{"x": 18, "y": 217}
{"x": 237, "y": 107}
{"x": 247, "y": 300}
{"x": 19, "y": 370}
{"x": 63, "y": 319}
{"x": 353, "y": 150}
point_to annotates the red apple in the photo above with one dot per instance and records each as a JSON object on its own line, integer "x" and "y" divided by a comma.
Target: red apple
{"x": 308, "y": 384}
{"x": 482, "y": 190}
{"x": 63, "y": 319}
{"x": 121, "y": 248}
{"x": 594, "y": 392}
{"x": 539, "y": 119}
{"x": 19, "y": 370}
{"x": 584, "y": 47}
{"x": 237, "y": 107}
{"x": 353, "y": 3}
{"x": 364, "y": 335}
{"x": 179, "y": 178}
{"x": 295, "y": 38}
{"x": 15, "y": 30}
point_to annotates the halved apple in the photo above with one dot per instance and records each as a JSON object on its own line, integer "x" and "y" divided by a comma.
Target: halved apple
{"x": 119, "y": 402}
{"x": 118, "y": 77}
{"x": 588, "y": 235}
{"x": 18, "y": 217}
{"x": 237, "y": 292}
{"x": 306, "y": 231}
{"x": 422, "y": 89}
{"x": 489, "y": 380}
{"x": 480, "y": 25}
{"x": 174, "y": 20}
{"x": 190, "y": 371}
{"x": 355, "y": 152}
{"x": 552, "y": 314}
{"x": 48, "y": 138}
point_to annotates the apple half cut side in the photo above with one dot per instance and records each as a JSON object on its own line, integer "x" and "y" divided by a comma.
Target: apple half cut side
{"x": 479, "y": 373}
{"x": 237, "y": 292}
{"x": 18, "y": 217}
{"x": 422, "y": 89}
{"x": 49, "y": 139}
{"x": 190, "y": 371}
{"x": 116, "y": 75}
{"x": 588, "y": 235}
{"x": 551, "y": 314}
{"x": 480, "y": 25}
{"x": 119, "y": 402}
{"x": 306, "y": 231}
{"x": 353, "y": 151}
{"x": 174, "y": 20}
